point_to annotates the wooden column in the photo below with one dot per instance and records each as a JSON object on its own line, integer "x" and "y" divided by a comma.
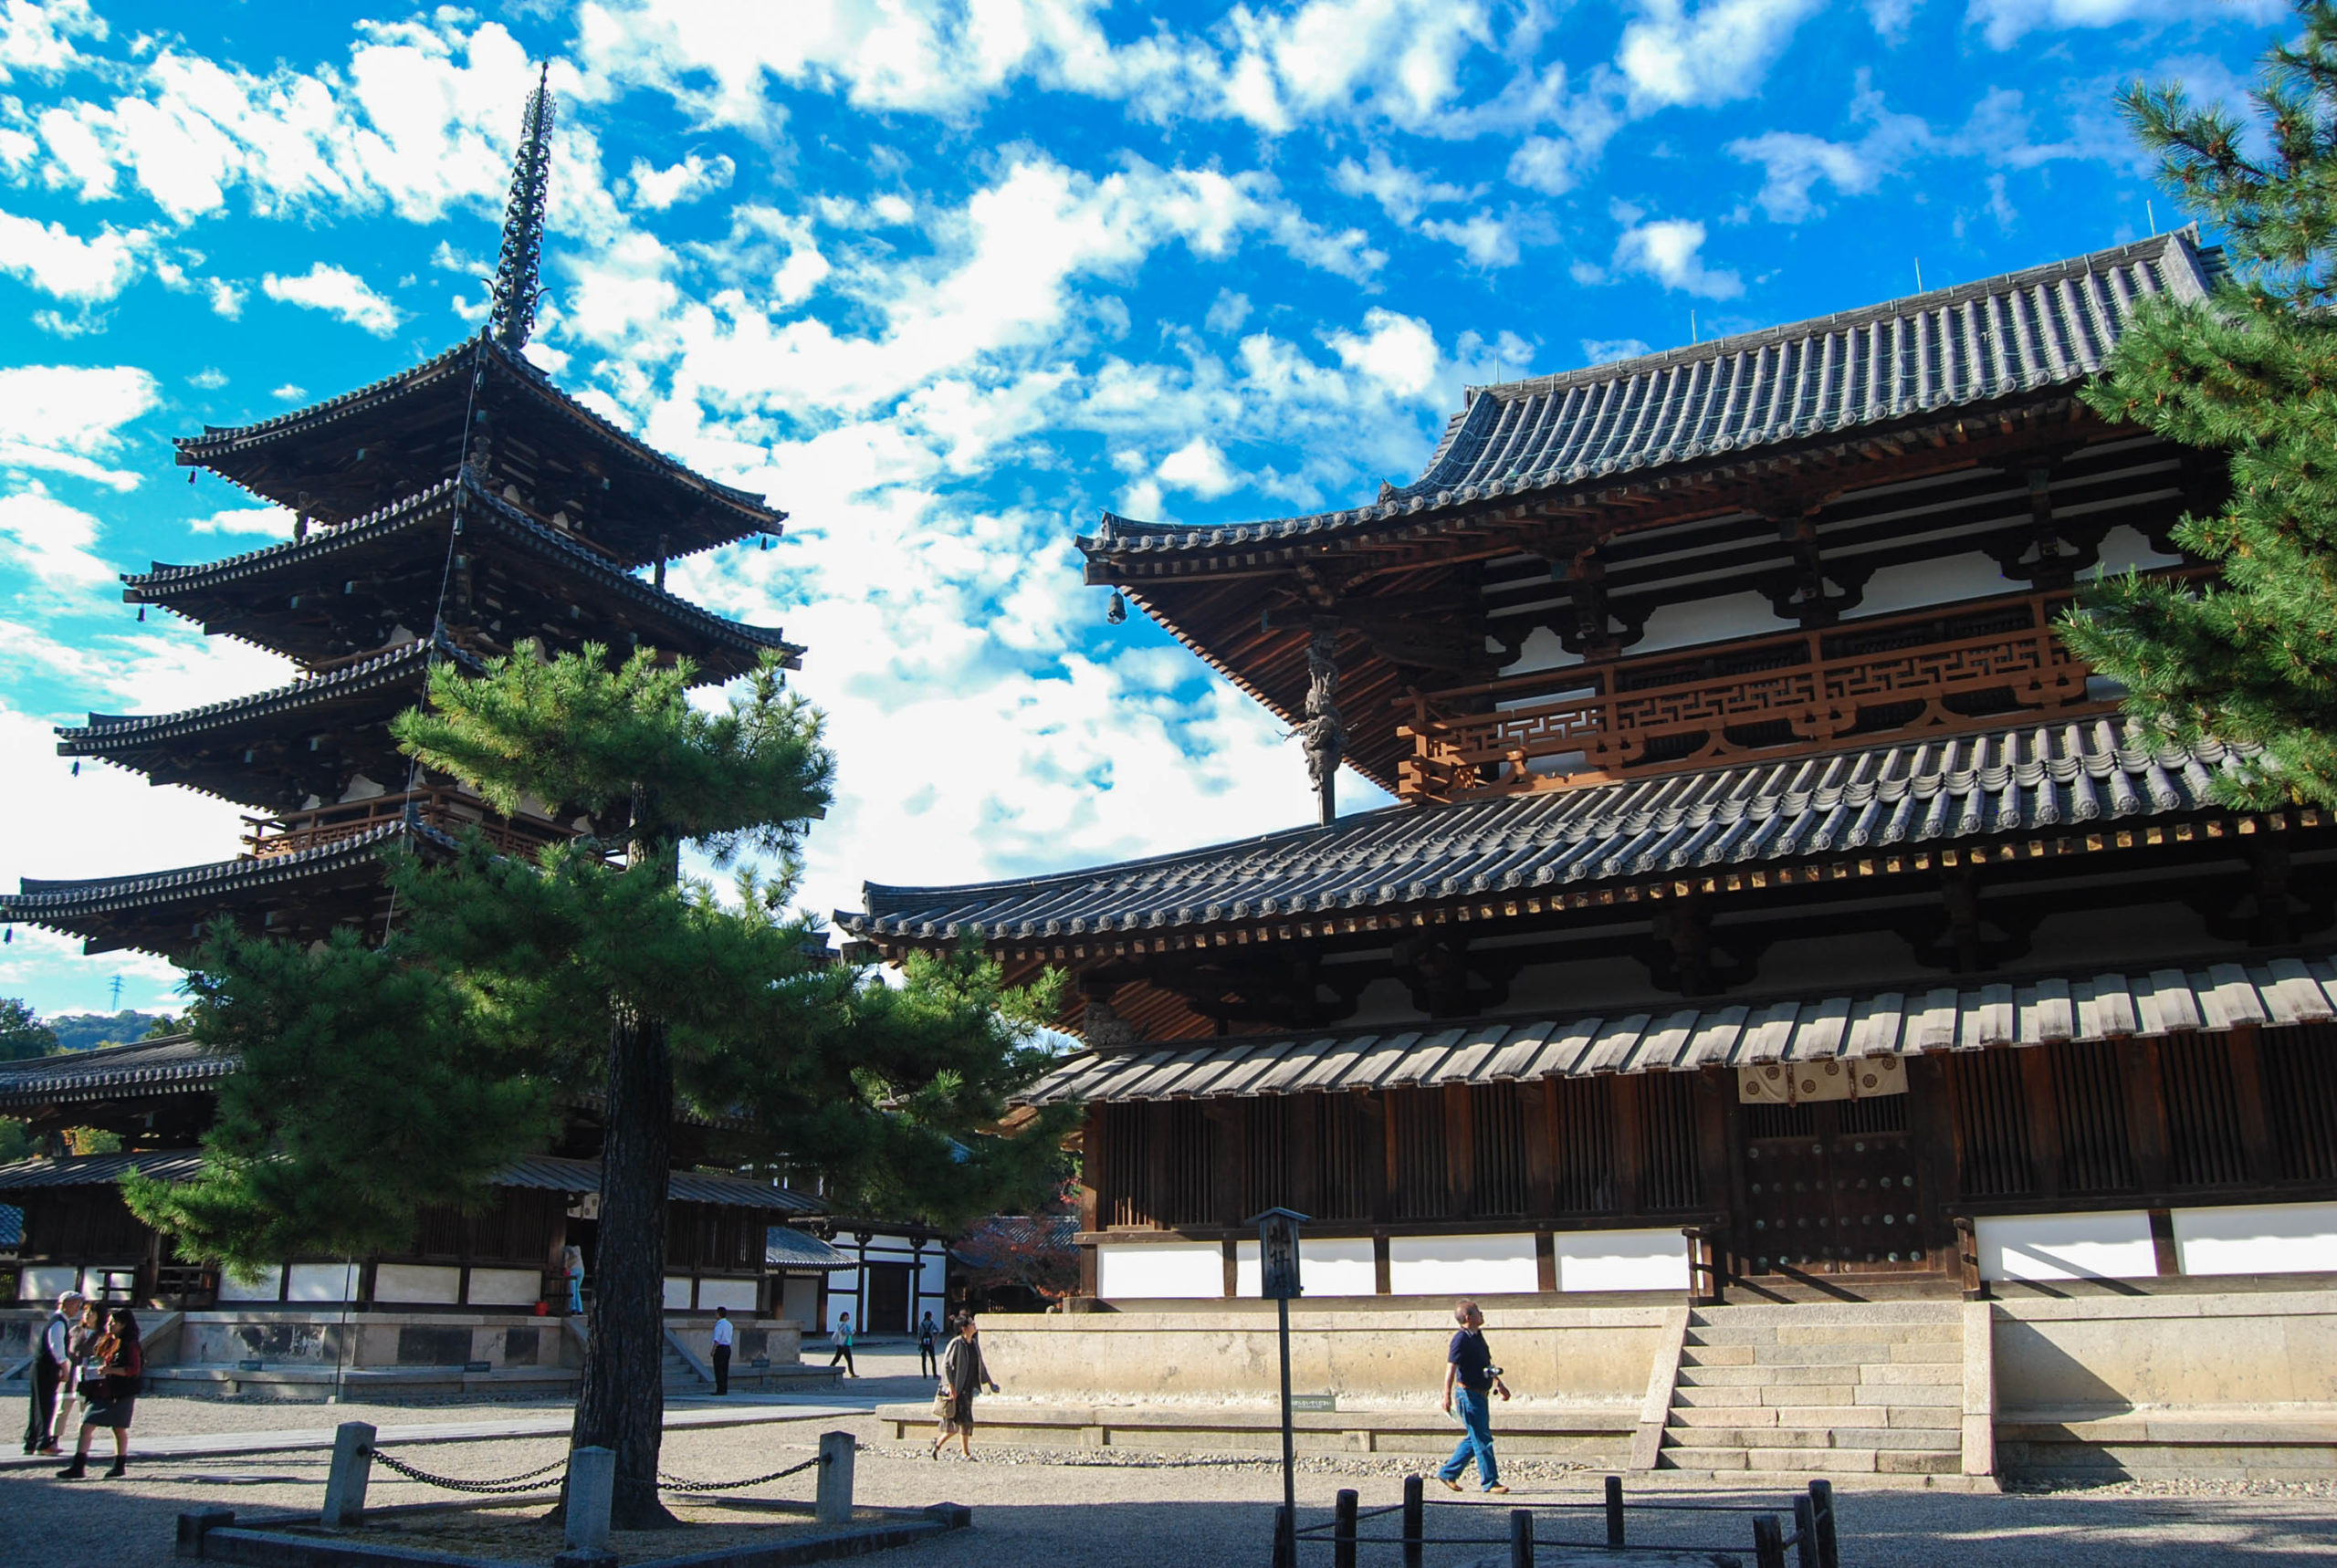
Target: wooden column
{"x": 1931, "y": 1121}
{"x": 1228, "y": 1127}
{"x": 1306, "y": 1194}
{"x": 1459, "y": 1152}
{"x": 1627, "y": 1142}
{"x": 2146, "y": 1128}
{"x": 1715, "y": 1102}
{"x": 2246, "y": 1048}
{"x": 1091, "y": 1176}
{"x": 1372, "y": 1109}
{"x": 1540, "y": 1099}
{"x": 1155, "y": 1161}
{"x": 2044, "y": 1123}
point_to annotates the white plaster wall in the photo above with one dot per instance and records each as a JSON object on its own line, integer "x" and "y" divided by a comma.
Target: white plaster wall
{"x": 1461, "y": 1265}
{"x": 1621, "y": 1260}
{"x": 1163, "y": 1269}
{"x": 324, "y": 1282}
{"x": 1720, "y": 619}
{"x": 2111, "y": 1246}
{"x": 1327, "y": 1266}
{"x": 46, "y": 1282}
{"x": 425, "y": 1282}
{"x": 677, "y": 1292}
{"x": 2267, "y": 1238}
{"x": 1383, "y": 1001}
{"x": 1540, "y": 650}
{"x": 2124, "y": 548}
{"x": 799, "y": 1299}
{"x": 1918, "y": 584}
{"x": 506, "y": 1286}
{"x": 738, "y": 1295}
{"x": 268, "y": 1287}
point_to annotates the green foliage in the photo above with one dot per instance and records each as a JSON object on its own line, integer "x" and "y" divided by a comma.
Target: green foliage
{"x": 377, "y": 1083}
{"x": 22, "y": 1034}
{"x": 16, "y": 1141}
{"x": 2251, "y": 657}
{"x": 88, "y": 1031}
{"x": 368, "y": 1090}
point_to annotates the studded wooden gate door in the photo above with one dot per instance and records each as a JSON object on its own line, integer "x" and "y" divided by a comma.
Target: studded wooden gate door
{"x": 1830, "y": 1188}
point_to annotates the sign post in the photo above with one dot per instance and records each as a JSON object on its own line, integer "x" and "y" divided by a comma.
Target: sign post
{"x": 1278, "y": 1281}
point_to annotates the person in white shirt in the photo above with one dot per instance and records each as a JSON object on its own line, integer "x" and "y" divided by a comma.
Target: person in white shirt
{"x": 51, "y": 1354}
{"x": 840, "y": 1344}
{"x": 724, "y": 1335}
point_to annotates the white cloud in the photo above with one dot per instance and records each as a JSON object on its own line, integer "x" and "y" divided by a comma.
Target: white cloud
{"x": 227, "y": 298}
{"x": 1227, "y": 311}
{"x": 208, "y": 378}
{"x": 1669, "y": 250}
{"x": 272, "y": 520}
{"x": 1795, "y": 163}
{"x": 2006, "y": 22}
{"x": 66, "y": 418}
{"x": 1607, "y": 350}
{"x": 1401, "y": 193}
{"x": 59, "y": 263}
{"x": 337, "y": 291}
{"x": 1198, "y": 467}
{"x": 37, "y": 39}
{"x": 1399, "y": 353}
{"x": 290, "y": 392}
{"x": 1720, "y": 51}
{"x": 51, "y": 540}
{"x": 1486, "y": 240}
{"x": 687, "y": 181}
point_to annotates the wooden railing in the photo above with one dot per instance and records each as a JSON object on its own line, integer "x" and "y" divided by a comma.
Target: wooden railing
{"x": 1957, "y": 668}
{"x": 446, "y": 809}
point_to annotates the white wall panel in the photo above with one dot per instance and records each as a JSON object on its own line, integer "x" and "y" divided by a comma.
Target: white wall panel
{"x": 46, "y": 1282}
{"x": 677, "y": 1292}
{"x": 1327, "y": 1268}
{"x": 2267, "y": 1238}
{"x": 426, "y": 1284}
{"x": 324, "y": 1282}
{"x": 1184, "y": 1270}
{"x": 799, "y": 1300}
{"x": 1621, "y": 1260}
{"x": 2114, "y": 1246}
{"x": 738, "y": 1295}
{"x": 506, "y": 1286}
{"x": 1462, "y": 1265}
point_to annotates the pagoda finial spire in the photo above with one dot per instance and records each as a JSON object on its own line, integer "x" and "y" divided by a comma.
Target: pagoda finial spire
{"x": 517, "y": 271}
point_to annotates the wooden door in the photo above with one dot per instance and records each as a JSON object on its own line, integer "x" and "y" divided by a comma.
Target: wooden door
{"x": 1833, "y": 1187}
{"x": 888, "y": 1299}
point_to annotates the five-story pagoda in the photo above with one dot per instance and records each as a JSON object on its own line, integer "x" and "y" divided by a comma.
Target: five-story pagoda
{"x": 451, "y": 511}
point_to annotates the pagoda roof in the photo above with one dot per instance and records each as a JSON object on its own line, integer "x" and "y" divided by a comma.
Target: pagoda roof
{"x": 174, "y": 1062}
{"x": 1561, "y": 439}
{"x": 165, "y": 911}
{"x": 1801, "y": 1036}
{"x": 407, "y": 430}
{"x": 245, "y": 593}
{"x": 203, "y": 748}
{"x": 2013, "y": 782}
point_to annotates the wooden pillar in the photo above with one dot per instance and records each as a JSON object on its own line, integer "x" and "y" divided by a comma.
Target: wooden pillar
{"x": 1227, "y": 1126}
{"x": 1715, "y": 1103}
{"x": 1546, "y": 1262}
{"x": 1624, "y": 1097}
{"x": 1372, "y": 1111}
{"x": 2146, "y": 1128}
{"x": 1091, "y": 1172}
{"x": 1931, "y": 1121}
{"x": 2044, "y": 1121}
{"x": 1379, "y": 1265}
{"x": 1459, "y": 1152}
{"x": 1305, "y": 1193}
{"x": 2263, "y": 1153}
{"x": 1156, "y": 1163}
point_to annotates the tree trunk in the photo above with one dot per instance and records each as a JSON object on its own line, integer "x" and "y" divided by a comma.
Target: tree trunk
{"x": 621, "y": 1405}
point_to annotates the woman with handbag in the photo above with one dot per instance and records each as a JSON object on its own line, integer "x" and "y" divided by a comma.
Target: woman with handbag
{"x": 962, "y": 1371}
{"x": 110, "y": 1384}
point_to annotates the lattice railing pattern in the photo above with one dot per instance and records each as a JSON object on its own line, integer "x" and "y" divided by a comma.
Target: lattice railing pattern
{"x": 446, "y": 809}
{"x": 1966, "y": 668}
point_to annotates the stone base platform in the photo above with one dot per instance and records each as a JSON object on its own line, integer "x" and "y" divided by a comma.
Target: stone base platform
{"x": 1596, "y": 1436}
{"x": 2232, "y": 1443}
{"x": 310, "y": 1384}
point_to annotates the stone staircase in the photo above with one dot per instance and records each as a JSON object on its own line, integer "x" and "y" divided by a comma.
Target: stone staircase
{"x": 1874, "y": 1387}
{"x": 679, "y": 1376}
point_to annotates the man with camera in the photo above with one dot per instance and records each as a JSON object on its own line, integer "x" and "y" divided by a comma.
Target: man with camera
{"x": 1470, "y": 1373}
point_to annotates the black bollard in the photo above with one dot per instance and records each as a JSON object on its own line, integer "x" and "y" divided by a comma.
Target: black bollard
{"x": 1615, "y": 1510}
{"x": 1415, "y": 1521}
{"x": 1805, "y": 1532}
{"x": 1521, "y": 1537}
{"x": 1343, "y": 1530}
{"x": 1821, "y": 1505}
{"x": 1768, "y": 1542}
{"x": 1285, "y": 1545}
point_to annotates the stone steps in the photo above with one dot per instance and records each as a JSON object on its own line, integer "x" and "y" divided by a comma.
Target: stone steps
{"x": 1874, "y": 1388}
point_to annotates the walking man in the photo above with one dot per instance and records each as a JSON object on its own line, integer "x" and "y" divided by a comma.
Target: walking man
{"x": 723, "y": 1334}
{"x": 1470, "y": 1373}
{"x": 49, "y": 1355}
{"x": 928, "y": 1354}
{"x": 840, "y": 1342}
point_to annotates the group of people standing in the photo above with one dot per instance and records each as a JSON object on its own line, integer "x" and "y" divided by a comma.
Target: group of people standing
{"x": 87, "y": 1355}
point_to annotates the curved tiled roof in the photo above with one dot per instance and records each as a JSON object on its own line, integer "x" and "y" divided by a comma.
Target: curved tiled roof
{"x": 2014, "y": 781}
{"x": 174, "y": 1063}
{"x": 2023, "y": 332}
{"x": 99, "y": 1170}
{"x": 555, "y": 1174}
{"x": 785, "y": 1247}
{"x": 218, "y": 442}
{"x": 109, "y": 732}
{"x": 1759, "y": 1034}
{"x": 41, "y": 901}
{"x": 163, "y": 580}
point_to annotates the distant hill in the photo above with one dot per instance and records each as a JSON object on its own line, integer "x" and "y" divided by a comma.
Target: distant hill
{"x": 86, "y": 1031}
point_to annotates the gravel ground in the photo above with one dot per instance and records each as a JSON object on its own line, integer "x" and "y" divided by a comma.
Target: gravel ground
{"x": 1128, "y": 1510}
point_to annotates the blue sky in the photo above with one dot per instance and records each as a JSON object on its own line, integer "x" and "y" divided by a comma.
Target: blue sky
{"x": 943, "y": 281}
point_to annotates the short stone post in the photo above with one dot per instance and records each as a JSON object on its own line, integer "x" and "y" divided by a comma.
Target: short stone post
{"x": 1415, "y": 1521}
{"x": 1615, "y": 1510}
{"x": 1805, "y": 1532}
{"x": 1821, "y": 1505}
{"x": 1343, "y": 1529}
{"x": 1521, "y": 1537}
{"x": 592, "y": 1487}
{"x": 194, "y": 1526}
{"x": 831, "y": 1504}
{"x": 1768, "y": 1541}
{"x": 352, "y": 1468}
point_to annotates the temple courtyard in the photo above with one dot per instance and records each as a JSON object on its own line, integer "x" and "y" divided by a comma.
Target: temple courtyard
{"x": 1107, "y": 1508}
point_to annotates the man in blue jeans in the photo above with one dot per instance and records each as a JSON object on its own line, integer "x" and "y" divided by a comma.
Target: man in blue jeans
{"x": 1469, "y": 1372}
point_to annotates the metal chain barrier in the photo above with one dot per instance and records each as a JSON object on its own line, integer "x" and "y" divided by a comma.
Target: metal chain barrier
{"x": 674, "y": 1483}
{"x": 529, "y": 1481}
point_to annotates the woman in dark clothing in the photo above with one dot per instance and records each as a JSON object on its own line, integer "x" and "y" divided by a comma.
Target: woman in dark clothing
{"x": 79, "y": 1379}
{"x": 110, "y": 1394}
{"x": 962, "y": 1371}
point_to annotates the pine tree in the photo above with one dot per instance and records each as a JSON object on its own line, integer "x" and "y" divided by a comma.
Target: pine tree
{"x": 22, "y": 1034}
{"x": 2250, "y": 655}
{"x": 377, "y": 1081}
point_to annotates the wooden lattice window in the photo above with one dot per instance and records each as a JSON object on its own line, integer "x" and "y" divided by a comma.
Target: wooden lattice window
{"x": 1765, "y": 1120}
{"x": 1265, "y": 1154}
{"x": 2202, "y": 1112}
{"x": 1349, "y": 1145}
{"x": 1122, "y": 1197}
{"x": 2089, "y": 1098}
{"x": 1992, "y": 1125}
{"x": 1584, "y": 1155}
{"x": 2300, "y": 1081}
{"x": 1416, "y": 1133}
{"x": 438, "y": 1233}
{"x": 1882, "y": 1114}
{"x": 1189, "y": 1156}
{"x": 1498, "y": 1113}
{"x": 1668, "y": 1174}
